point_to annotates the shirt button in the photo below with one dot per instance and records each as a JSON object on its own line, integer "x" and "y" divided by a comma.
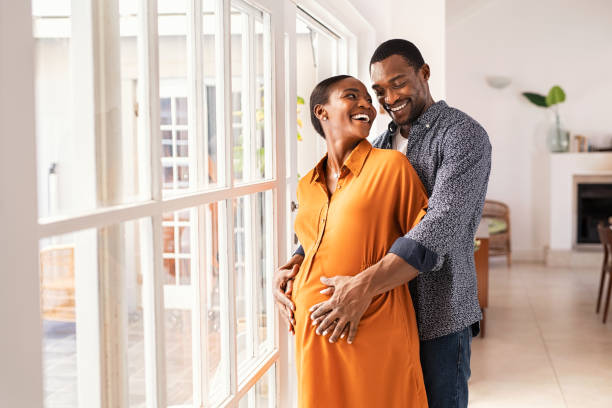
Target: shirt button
{"x": 427, "y": 125}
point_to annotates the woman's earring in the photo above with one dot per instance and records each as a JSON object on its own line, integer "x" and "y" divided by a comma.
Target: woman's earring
{"x": 324, "y": 117}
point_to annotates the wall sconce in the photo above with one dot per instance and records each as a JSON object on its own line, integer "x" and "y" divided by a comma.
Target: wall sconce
{"x": 498, "y": 81}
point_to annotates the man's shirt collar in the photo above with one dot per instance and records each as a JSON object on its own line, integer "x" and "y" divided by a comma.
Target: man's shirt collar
{"x": 427, "y": 119}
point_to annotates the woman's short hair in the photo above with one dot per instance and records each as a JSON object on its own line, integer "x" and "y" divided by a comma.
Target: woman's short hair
{"x": 320, "y": 96}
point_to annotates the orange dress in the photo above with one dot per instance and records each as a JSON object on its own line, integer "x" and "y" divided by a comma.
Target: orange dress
{"x": 378, "y": 198}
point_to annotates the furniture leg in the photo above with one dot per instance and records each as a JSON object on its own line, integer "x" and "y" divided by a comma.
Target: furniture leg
{"x": 483, "y": 324}
{"x": 601, "y": 286}
{"x": 605, "y": 316}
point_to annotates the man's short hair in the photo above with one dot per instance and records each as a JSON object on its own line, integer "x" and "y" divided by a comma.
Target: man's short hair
{"x": 400, "y": 47}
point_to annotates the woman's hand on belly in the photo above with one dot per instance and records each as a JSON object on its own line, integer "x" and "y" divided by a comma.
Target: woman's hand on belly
{"x": 343, "y": 311}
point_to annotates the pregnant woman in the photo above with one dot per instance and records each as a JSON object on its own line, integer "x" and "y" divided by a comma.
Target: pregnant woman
{"x": 352, "y": 206}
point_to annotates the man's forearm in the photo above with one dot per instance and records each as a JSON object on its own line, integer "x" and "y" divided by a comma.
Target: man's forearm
{"x": 389, "y": 273}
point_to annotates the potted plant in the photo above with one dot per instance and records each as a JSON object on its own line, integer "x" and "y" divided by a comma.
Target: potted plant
{"x": 558, "y": 137}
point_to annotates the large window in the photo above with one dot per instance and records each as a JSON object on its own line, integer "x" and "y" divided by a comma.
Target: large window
{"x": 158, "y": 197}
{"x": 168, "y": 149}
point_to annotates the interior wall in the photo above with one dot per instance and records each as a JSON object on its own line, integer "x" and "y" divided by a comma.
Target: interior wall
{"x": 21, "y": 369}
{"x": 537, "y": 45}
{"x": 422, "y": 22}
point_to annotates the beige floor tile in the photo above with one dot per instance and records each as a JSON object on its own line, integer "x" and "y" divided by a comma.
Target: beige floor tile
{"x": 545, "y": 346}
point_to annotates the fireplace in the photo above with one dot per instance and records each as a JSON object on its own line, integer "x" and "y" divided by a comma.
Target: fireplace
{"x": 594, "y": 205}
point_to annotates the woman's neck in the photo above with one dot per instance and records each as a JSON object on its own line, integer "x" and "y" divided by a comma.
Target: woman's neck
{"x": 337, "y": 152}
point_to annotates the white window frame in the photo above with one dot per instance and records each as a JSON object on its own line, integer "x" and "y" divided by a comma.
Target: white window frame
{"x": 16, "y": 22}
{"x": 158, "y": 205}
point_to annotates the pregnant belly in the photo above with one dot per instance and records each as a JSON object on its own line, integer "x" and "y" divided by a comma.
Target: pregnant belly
{"x": 388, "y": 313}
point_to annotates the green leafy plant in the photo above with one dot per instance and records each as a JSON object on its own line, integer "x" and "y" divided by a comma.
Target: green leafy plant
{"x": 300, "y": 101}
{"x": 555, "y": 96}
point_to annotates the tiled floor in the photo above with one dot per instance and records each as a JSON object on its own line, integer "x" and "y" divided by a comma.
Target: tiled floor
{"x": 60, "y": 361}
{"x": 545, "y": 346}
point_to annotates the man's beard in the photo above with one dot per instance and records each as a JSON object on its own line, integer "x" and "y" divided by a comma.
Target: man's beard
{"x": 412, "y": 117}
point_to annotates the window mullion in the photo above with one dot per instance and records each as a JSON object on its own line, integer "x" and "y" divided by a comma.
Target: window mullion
{"x": 105, "y": 295}
{"x": 224, "y": 91}
{"x": 150, "y": 140}
{"x": 231, "y": 296}
{"x": 194, "y": 100}
{"x": 268, "y": 105}
{"x": 250, "y": 293}
{"x": 246, "y": 85}
{"x": 200, "y": 285}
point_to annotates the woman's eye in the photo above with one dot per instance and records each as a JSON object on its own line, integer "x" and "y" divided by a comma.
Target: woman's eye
{"x": 351, "y": 96}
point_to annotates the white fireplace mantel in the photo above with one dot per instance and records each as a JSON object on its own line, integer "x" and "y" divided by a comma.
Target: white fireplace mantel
{"x": 566, "y": 171}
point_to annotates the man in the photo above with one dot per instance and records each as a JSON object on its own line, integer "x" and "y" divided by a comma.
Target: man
{"x": 451, "y": 154}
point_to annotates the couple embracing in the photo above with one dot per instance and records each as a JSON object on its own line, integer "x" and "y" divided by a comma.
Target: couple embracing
{"x": 382, "y": 295}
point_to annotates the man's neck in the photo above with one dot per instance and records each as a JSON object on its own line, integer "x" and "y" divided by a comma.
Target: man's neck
{"x": 404, "y": 130}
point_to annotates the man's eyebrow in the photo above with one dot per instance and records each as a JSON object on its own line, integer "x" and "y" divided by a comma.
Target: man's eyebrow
{"x": 395, "y": 78}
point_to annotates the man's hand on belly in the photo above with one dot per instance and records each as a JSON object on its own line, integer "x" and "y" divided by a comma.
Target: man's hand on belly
{"x": 341, "y": 314}
{"x": 351, "y": 296}
{"x": 283, "y": 285}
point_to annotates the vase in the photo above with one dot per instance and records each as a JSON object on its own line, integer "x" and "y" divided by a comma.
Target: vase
{"x": 558, "y": 139}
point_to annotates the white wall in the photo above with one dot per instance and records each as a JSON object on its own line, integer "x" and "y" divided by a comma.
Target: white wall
{"x": 422, "y": 22}
{"x": 537, "y": 44}
{"x": 21, "y": 368}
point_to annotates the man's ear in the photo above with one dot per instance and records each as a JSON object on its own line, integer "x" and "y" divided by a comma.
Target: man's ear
{"x": 320, "y": 112}
{"x": 425, "y": 71}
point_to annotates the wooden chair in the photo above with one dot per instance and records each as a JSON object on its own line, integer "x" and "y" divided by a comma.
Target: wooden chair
{"x": 605, "y": 237}
{"x": 499, "y": 241}
{"x": 57, "y": 283}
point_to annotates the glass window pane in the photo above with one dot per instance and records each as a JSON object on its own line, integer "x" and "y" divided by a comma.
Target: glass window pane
{"x": 179, "y": 364}
{"x": 251, "y": 85}
{"x": 69, "y": 268}
{"x": 213, "y": 167}
{"x": 68, "y": 140}
{"x": 317, "y": 59}
{"x": 185, "y": 272}
{"x": 183, "y": 176}
{"x": 263, "y": 242}
{"x": 243, "y": 286}
{"x": 182, "y": 144}
{"x": 253, "y": 260}
{"x": 178, "y": 300}
{"x": 181, "y": 110}
{"x": 263, "y": 394}
{"x": 168, "y": 177}
{"x": 217, "y": 322}
{"x": 57, "y": 284}
{"x": 185, "y": 238}
{"x": 166, "y": 148}
{"x": 174, "y": 93}
{"x": 200, "y": 244}
{"x": 169, "y": 271}
{"x": 165, "y": 113}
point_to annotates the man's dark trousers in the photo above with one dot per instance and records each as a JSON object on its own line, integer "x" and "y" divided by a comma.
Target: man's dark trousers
{"x": 446, "y": 368}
